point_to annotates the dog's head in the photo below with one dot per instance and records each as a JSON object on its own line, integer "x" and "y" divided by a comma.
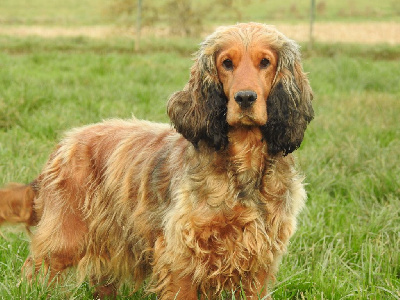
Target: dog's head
{"x": 247, "y": 75}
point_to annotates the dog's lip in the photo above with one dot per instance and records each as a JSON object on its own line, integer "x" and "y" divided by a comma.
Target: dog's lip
{"x": 246, "y": 117}
{"x": 248, "y": 120}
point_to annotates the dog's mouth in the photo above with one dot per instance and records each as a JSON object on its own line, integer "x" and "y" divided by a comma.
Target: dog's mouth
{"x": 254, "y": 115}
{"x": 246, "y": 120}
{"x": 249, "y": 119}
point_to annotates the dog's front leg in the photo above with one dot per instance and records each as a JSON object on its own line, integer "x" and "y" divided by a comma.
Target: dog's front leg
{"x": 179, "y": 288}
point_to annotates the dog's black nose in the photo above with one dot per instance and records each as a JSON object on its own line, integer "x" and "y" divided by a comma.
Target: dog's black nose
{"x": 245, "y": 99}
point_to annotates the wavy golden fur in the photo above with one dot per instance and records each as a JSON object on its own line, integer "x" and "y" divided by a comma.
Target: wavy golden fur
{"x": 207, "y": 207}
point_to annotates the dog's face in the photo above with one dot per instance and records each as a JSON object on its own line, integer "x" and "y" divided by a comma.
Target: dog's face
{"x": 246, "y": 73}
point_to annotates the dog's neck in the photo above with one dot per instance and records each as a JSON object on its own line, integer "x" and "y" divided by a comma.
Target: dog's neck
{"x": 246, "y": 149}
{"x": 247, "y": 155}
{"x": 242, "y": 164}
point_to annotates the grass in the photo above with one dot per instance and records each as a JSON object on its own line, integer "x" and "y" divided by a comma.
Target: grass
{"x": 348, "y": 241}
{"x": 94, "y": 12}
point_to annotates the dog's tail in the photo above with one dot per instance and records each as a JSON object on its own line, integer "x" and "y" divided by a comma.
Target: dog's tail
{"x": 16, "y": 204}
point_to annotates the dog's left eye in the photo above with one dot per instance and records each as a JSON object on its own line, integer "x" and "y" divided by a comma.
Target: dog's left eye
{"x": 264, "y": 63}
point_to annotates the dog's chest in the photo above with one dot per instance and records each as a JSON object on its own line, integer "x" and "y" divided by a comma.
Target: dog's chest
{"x": 227, "y": 242}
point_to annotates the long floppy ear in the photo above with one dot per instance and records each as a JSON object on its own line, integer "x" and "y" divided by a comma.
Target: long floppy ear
{"x": 198, "y": 112}
{"x": 289, "y": 106}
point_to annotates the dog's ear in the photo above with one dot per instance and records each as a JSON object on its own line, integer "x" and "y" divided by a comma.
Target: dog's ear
{"x": 289, "y": 106}
{"x": 198, "y": 112}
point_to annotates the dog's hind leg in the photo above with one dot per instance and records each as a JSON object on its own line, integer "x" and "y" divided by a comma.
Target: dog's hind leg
{"x": 56, "y": 244}
{"x": 48, "y": 268}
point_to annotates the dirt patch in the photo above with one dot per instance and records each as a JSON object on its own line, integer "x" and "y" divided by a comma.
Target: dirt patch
{"x": 365, "y": 33}
{"x": 52, "y": 32}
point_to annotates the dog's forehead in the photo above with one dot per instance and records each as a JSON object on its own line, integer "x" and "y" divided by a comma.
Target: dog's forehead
{"x": 246, "y": 35}
{"x": 255, "y": 49}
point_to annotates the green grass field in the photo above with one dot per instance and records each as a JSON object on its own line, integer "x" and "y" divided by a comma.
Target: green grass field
{"x": 89, "y": 12}
{"x": 348, "y": 242}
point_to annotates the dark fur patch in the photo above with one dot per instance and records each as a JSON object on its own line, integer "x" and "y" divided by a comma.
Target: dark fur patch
{"x": 200, "y": 118}
{"x": 288, "y": 117}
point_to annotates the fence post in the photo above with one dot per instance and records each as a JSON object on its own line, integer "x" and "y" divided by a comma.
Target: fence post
{"x": 138, "y": 24}
{"x": 312, "y": 18}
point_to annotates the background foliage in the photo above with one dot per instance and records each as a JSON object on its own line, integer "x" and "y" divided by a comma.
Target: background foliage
{"x": 162, "y": 12}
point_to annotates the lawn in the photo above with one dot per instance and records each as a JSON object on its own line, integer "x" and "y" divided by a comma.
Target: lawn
{"x": 348, "y": 241}
{"x": 94, "y": 12}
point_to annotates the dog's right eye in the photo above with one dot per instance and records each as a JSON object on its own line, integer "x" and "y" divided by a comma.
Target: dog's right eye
{"x": 228, "y": 64}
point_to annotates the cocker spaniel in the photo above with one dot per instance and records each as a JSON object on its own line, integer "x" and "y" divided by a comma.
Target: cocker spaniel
{"x": 206, "y": 207}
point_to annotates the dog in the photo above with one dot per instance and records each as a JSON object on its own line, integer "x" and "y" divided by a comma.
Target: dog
{"x": 194, "y": 209}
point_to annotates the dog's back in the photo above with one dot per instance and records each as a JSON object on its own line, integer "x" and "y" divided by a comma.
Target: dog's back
{"x": 88, "y": 190}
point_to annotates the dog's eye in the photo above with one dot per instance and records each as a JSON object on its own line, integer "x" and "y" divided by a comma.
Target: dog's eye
{"x": 228, "y": 64}
{"x": 264, "y": 63}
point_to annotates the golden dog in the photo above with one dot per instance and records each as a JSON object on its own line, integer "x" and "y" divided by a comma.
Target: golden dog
{"x": 203, "y": 208}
